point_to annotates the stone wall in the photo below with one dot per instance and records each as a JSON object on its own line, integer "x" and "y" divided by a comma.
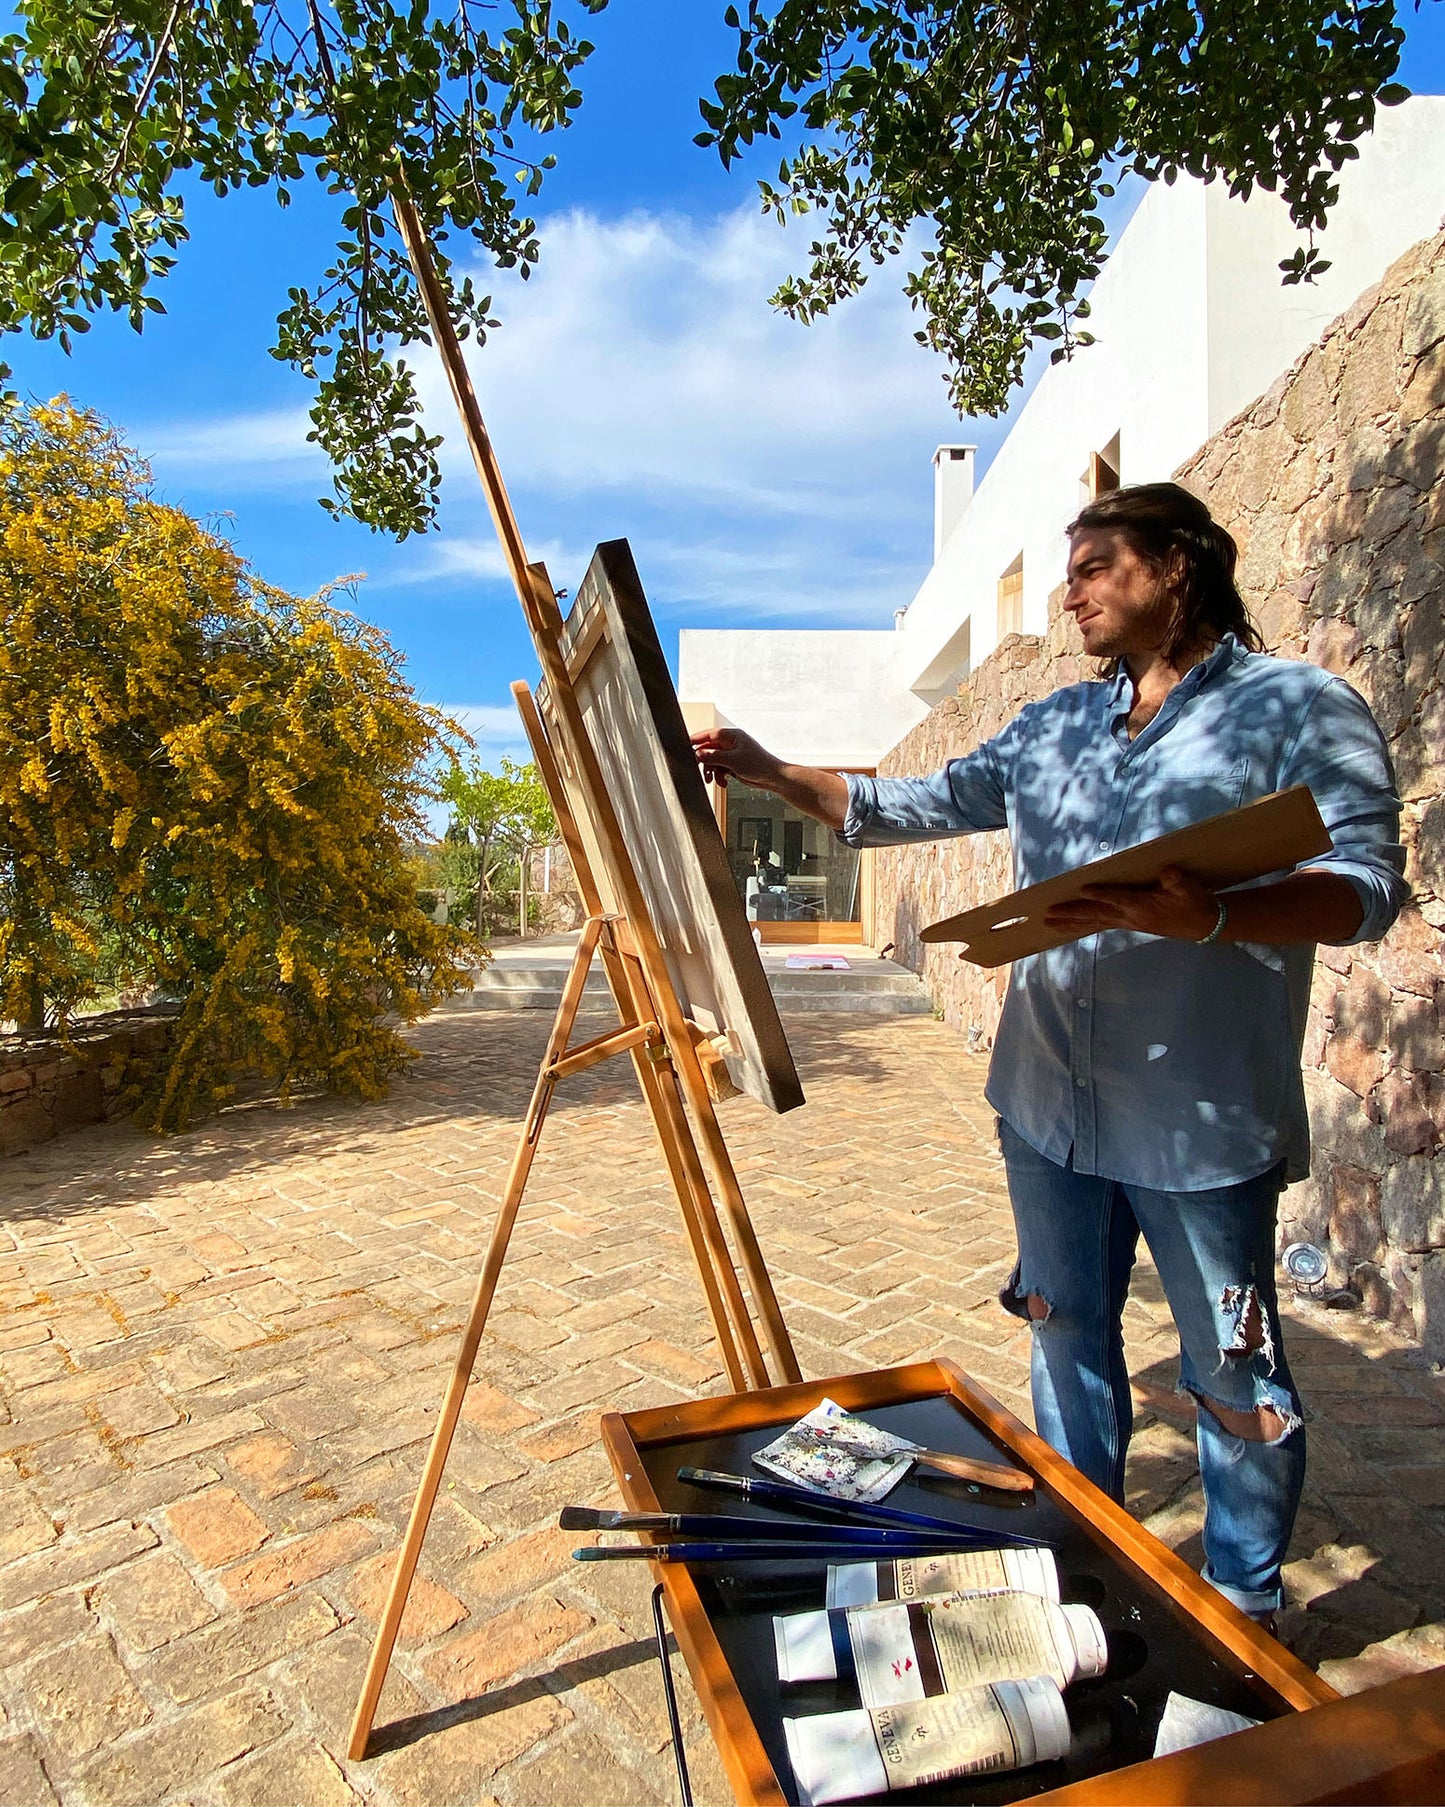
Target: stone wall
{"x": 47, "y": 1087}
{"x": 1334, "y": 485}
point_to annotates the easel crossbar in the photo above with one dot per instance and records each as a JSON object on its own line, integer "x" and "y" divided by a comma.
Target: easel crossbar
{"x": 603, "y": 1048}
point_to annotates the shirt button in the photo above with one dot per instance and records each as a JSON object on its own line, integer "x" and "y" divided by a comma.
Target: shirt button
{"x": 1083, "y": 1003}
{"x": 1103, "y": 847}
{"x": 1081, "y": 1082}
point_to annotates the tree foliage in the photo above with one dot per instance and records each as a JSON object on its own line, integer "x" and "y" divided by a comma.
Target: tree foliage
{"x": 107, "y": 106}
{"x": 217, "y": 781}
{"x": 996, "y": 125}
{"x": 496, "y": 819}
{"x": 1000, "y": 126}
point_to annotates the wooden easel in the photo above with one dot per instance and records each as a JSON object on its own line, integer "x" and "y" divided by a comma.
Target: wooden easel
{"x": 671, "y": 1056}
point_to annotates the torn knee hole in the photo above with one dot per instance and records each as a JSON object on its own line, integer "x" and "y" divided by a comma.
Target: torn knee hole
{"x": 1039, "y": 1309}
{"x": 1252, "y": 1334}
{"x": 1264, "y": 1424}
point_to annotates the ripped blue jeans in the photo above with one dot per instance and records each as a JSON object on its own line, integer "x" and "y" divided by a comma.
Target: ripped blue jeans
{"x": 1215, "y": 1254}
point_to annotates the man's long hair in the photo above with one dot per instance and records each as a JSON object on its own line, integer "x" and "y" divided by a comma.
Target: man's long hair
{"x": 1166, "y": 525}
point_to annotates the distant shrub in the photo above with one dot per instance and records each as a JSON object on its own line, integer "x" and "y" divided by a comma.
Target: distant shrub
{"x": 206, "y": 785}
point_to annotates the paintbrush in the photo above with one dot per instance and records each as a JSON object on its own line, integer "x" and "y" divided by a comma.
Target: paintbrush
{"x": 721, "y": 1526}
{"x": 758, "y": 1551}
{"x": 823, "y": 1505}
{"x": 960, "y": 1468}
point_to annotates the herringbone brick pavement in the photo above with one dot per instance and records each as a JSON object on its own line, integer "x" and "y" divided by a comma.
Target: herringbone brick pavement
{"x": 222, "y": 1356}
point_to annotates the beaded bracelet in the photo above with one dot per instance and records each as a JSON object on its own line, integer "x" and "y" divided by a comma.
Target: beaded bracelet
{"x": 1218, "y": 928}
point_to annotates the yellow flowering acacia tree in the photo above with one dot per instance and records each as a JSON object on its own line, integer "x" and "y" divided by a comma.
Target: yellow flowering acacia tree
{"x": 219, "y": 780}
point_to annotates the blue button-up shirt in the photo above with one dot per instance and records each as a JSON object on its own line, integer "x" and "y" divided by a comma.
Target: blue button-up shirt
{"x": 1157, "y": 1062}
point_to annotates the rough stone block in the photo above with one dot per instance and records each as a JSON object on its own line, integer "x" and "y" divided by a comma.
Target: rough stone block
{"x": 518, "y": 1639}
{"x": 1424, "y": 321}
{"x": 79, "y": 1098}
{"x": 271, "y": 1464}
{"x": 430, "y": 1609}
{"x": 83, "y": 1698}
{"x": 307, "y": 1559}
{"x": 1353, "y": 1061}
{"x": 22, "y": 1775}
{"x": 458, "y": 1760}
{"x": 219, "y": 1655}
{"x": 24, "y": 1125}
{"x": 59, "y": 1619}
{"x": 183, "y": 1752}
{"x": 217, "y": 1526}
{"x": 1410, "y": 955}
{"x": 1415, "y": 1037}
{"x": 71, "y": 1561}
{"x": 1361, "y": 1006}
{"x": 1355, "y": 1220}
{"x": 151, "y": 1602}
{"x": 1429, "y": 1313}
{"x": 284, "y": 1774}
{"x": 1404, "y": 1101}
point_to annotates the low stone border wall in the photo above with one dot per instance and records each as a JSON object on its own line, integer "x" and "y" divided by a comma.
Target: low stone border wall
{"x": 48, "y": 1086}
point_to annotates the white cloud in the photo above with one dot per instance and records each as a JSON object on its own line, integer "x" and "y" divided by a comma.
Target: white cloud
{"x": 496, "y": 728}
{"x": 250, "y": 450}
{"x": 640, "y": 385}
{"x": 643, "y": 357}
{"x": 461, "y": 555}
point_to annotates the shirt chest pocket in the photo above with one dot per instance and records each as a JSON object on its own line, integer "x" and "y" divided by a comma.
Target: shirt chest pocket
{"x": 1178, "y": 793}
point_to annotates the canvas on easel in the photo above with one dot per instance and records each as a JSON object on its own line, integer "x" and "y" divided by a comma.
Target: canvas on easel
{"x": 634, "y": 721}
{"x": 689, "y": 1004}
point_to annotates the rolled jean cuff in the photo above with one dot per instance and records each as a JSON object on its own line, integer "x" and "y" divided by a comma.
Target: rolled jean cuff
{"x": 1257, "y": 1602}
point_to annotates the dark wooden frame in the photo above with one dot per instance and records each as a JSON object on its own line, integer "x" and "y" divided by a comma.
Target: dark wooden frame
{"x": 1403, "y": 1758}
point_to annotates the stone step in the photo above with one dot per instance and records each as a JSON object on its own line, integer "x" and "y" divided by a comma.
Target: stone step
{"x": 884, "y": 990}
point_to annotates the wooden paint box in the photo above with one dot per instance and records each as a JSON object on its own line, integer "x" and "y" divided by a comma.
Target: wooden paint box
{"x": 1168, "y": 1629}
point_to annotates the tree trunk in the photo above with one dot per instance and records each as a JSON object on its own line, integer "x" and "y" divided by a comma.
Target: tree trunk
{"x": 522, "y": 892}
{"x": 32, "y": 1013}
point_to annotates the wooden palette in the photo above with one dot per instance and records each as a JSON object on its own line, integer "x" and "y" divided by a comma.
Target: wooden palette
{"x": 1272, "y": 835}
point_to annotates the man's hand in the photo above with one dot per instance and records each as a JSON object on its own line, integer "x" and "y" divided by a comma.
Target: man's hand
{"x": 1178, "y": 907}
{"x": 725, "y": 753}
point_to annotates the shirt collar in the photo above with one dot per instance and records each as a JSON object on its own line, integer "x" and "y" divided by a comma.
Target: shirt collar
{"x": 1228, "y": 649}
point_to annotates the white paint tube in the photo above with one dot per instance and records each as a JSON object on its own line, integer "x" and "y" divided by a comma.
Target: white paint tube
{"x": 912, "y": 1650}
{"x": 964, "y": 1572}
{"x": 840, "y": 1756}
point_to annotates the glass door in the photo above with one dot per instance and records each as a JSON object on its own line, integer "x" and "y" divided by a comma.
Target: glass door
{"x": 797, "y": 880}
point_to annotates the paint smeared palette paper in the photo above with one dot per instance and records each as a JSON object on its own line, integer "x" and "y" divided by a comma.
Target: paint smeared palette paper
{"x": 805, "y": 1455}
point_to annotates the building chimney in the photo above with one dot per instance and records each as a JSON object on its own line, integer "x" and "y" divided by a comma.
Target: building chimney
{"x": 952, "y": 490}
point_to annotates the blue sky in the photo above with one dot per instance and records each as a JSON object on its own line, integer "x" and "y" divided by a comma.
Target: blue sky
{"x": 767, "y": 474}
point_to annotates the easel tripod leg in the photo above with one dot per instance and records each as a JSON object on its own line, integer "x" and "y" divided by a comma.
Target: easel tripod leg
{"x": 410, "y": 1553}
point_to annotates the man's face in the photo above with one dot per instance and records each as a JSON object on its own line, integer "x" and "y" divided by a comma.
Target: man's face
{"x": 1120, "y": 601}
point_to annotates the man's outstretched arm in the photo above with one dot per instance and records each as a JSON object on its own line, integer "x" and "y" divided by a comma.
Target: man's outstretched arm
{"x": 725, "y": 753}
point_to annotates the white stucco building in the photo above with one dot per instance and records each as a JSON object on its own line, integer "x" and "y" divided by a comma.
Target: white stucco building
{"x": 1191, "y": 324}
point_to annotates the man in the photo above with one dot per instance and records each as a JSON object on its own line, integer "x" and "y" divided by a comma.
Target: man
{"x": 1146, "y": 1077}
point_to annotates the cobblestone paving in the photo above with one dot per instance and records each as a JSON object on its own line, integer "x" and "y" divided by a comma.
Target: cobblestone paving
{"x": 222, "y": 1355}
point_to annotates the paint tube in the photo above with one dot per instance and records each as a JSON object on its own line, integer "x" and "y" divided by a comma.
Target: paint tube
{"x": 842, "y": 1756}
{"x": 909, "y": 1650}
{"x": 965, "y": 1572}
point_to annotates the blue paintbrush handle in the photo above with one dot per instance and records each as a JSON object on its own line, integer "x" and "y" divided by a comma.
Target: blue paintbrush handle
{"x": 754, "y": 1550}
{"x": 821, "y": 1505}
